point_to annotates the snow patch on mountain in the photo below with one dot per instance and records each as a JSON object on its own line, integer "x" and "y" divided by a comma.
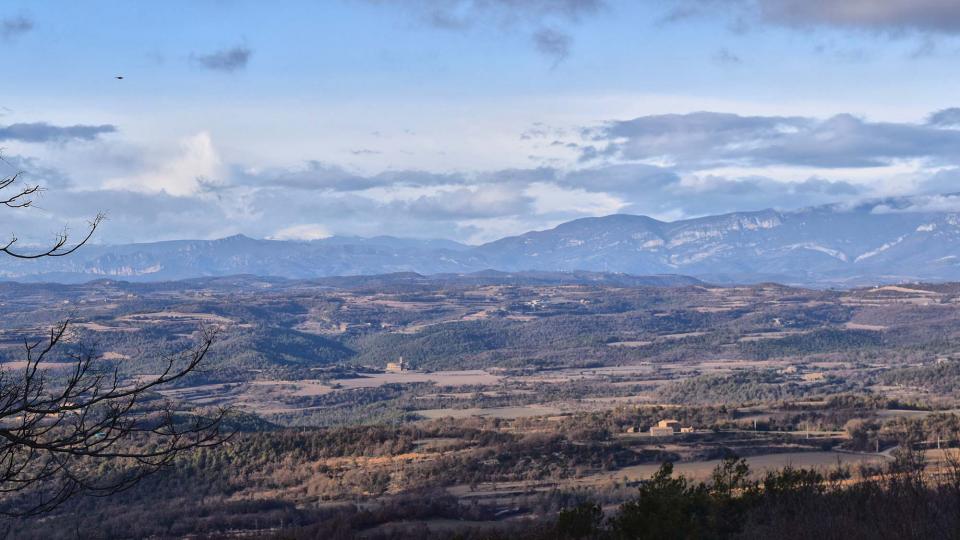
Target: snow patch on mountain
{"x": 652, "y": 244}
{"x": 822, "y": 249}
{"x": 880, "y": 249}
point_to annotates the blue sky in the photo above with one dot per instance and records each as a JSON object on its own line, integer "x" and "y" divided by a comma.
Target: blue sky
{"x": 467, "y": 119}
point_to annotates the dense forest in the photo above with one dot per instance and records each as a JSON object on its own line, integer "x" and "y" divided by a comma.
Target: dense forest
{"x": 347, "y": 480}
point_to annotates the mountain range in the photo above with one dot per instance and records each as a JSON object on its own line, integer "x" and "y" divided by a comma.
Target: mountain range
{"x": 888, "y": 240}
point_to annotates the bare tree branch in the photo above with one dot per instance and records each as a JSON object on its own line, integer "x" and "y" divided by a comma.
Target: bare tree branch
{"x": 13, "y": 196}
{"x": 56, "y": 426}
{"x": 62, "y": 422}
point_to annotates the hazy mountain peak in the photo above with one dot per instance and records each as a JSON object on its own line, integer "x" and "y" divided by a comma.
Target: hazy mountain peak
{"x": 893, "y": 239}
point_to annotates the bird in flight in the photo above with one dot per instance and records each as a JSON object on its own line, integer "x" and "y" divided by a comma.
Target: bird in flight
{"x": 118, "y": 77}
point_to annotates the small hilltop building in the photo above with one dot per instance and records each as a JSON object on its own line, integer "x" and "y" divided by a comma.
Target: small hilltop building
{"x": 668, "y": 427}
{"x": 672, "y": 424}
{"x": 397, "y": 367}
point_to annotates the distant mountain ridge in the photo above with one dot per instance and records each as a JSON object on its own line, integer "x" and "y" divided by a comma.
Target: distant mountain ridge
{"x": 887, "y": 240}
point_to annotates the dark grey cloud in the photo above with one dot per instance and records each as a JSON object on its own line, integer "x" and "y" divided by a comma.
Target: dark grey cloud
{"x": 890, "y": 17}
{"x": 707, "y": 139}
{"x": 38, "y": 132}
{"x": 941, "y": 16}
{"x": 945, "y": 117}
{"x": 540, "y": 19}
{"x": 694, "y": 137}
{"x": 228, "y": 60}
{"x": 847, "y": 141}
{"x": 553, "y": 43}
{"x": 14, "y": 27}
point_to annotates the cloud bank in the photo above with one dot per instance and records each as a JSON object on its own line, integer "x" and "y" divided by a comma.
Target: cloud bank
{"x": 39, "y": 132}
{"x": 705, "y": 139}
{"x": 669, "y": 166}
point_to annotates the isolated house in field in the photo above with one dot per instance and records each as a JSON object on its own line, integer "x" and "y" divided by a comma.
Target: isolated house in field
{"x": 672, "y": 424}
{"x": 668, "y": 427}
{"x": 396, "y": 367}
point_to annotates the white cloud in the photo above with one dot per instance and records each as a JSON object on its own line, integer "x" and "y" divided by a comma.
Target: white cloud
{"x": 306, "y": 231}
{"x": 192, "y": 187}
{"x": 179, "y": 171}
{"x": 932, "y": 203}
{"x": 551, "y": 198}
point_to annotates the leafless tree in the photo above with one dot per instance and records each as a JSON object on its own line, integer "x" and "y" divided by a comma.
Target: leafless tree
{"x": 22, "y": 197}
{"x": 70, "y": 423}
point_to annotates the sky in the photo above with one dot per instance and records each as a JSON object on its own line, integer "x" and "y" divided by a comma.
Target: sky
{"x": 466, "y": 119}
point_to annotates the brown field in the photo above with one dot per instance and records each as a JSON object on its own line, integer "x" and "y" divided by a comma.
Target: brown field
{"x": 758, "y": 464}
{"x": 161, "y": 316}
{"x": 443, "y": 378}
{"x": 860, "y": 326}
{"x": 772, "y": 335}
{"x": 493, "y": 412}
{"x": 630, "y": 343}
{"x": 97, "y": 327}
